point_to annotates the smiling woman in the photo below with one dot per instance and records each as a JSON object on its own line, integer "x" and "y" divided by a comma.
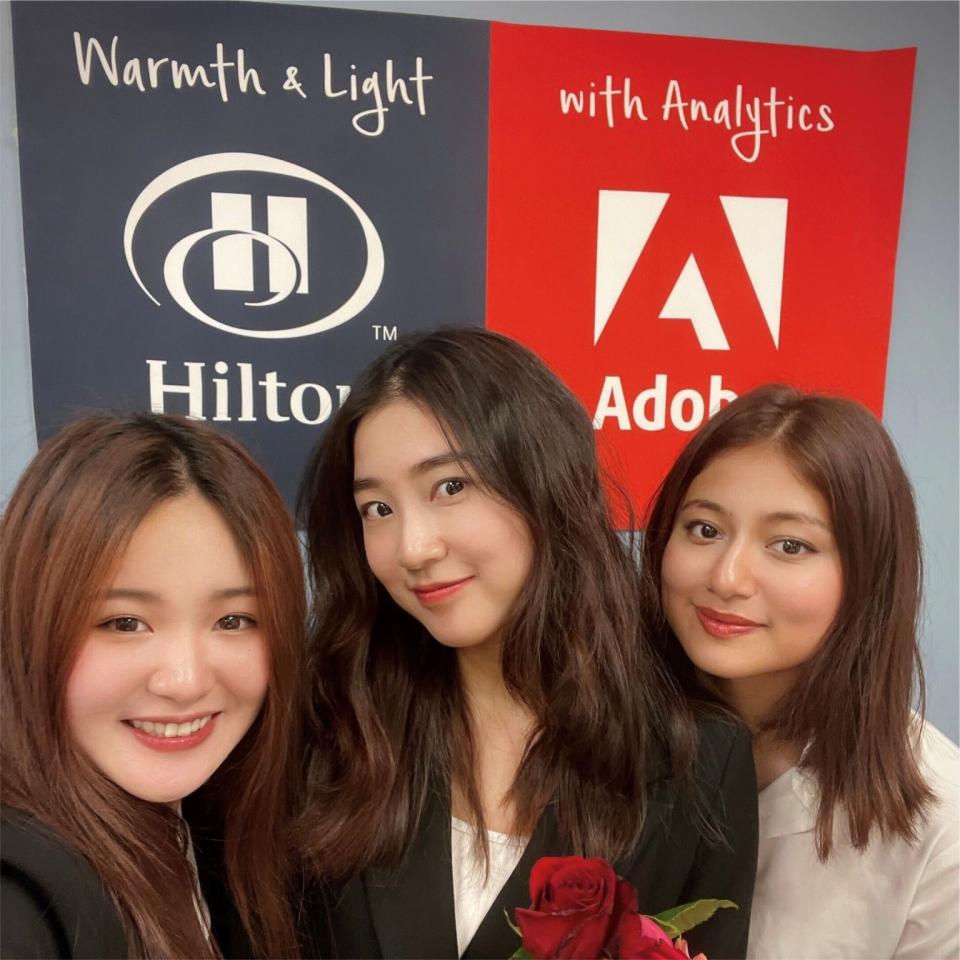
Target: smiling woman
{"x": 152, "y": 627}
{"x": 782, "y": 559}
{"x": 436, "y": 535}
{"x": 483, "y": 692}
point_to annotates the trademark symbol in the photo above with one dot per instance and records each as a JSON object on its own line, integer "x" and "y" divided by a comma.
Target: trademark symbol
{"x": 383, "y": 332}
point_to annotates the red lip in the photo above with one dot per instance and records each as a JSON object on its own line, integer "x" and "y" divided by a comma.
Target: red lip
{"x": 723, "y": 625}
{"x": 169, "y": 744}
{"x": 430, "y": 593}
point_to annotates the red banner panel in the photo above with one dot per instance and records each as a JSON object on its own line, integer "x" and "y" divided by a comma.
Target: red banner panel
{"x": 673, "y": 221}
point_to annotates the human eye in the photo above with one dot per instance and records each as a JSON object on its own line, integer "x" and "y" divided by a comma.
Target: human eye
{"x": 700, "y": 530}
{"x": 450, "y": 487}
{"x": 123, "y": 625}
{"x": 374, "y": 510}
{"x": 791, "y": 547}
{"x": 236, "y": 621}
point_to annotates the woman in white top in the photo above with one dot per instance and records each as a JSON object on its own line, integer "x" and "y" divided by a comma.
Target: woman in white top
{"x": 484, "y": 694}
{"x": 785, "y": 549}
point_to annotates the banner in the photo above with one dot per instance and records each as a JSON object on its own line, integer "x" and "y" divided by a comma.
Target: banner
{"x": 231, "y": 208}
{"x": 674, "y": 221}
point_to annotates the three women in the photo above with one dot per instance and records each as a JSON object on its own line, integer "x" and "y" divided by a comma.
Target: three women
{"x": 490, "y": 685}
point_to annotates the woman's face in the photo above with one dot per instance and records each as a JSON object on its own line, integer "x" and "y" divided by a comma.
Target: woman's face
{"x": 751, "y": 577}
{"x": 447, "y": 551}
{"x": 174, "y": 667}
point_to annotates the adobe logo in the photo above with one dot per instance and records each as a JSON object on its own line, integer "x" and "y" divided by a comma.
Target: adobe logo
{"x": 625, "y": 220}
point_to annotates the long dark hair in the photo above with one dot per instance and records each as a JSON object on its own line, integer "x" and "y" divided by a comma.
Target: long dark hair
{"x": 390, "y": 723}
{"x": 851, "y": 705}
{"x": 68, "y": 521}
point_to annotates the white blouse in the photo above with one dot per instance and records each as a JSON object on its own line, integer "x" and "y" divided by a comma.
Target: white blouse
{"x": 473, "y": 894}
{"x": 892, "y": 900}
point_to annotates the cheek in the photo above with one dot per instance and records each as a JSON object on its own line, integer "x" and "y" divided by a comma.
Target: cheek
{"x": 510, "y": 540}
{"x": 810, "y": 603}
{"x": 98, "y": 682}
{"x": 377, "y": 552}
{"x": 246, "y": 671}
{"x": 680, "y": 569}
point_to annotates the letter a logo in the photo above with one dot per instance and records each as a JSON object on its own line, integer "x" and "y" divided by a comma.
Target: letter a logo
{"x": 625, "y": 221}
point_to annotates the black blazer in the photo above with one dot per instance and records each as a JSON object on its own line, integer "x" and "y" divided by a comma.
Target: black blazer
{"x": 52, "y": 902}
{"x": 409, "y": 912}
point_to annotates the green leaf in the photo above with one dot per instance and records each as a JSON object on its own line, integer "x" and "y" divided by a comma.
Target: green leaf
{"x": 682, "y": 918}
{"x": 521, "y": 954}
{"x": 668, "y": 928}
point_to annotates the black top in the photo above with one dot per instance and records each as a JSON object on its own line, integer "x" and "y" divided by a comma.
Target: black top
{"x": 409, "y": 912}
{"x": 52, "y": 901}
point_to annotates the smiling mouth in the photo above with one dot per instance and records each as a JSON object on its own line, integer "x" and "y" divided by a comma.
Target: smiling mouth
{"x": 722, "y": 625}
{"x": 164, "y": 735}
{"x": 436, "y": 592}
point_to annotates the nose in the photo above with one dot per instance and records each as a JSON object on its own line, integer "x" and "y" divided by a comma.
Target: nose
{"x": 182, "y": 672}
{"x": 421, "y": 541}
{"x": 732, "y": 572}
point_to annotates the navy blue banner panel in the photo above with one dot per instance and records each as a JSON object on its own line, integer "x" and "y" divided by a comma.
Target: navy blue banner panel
{"x": 231, "y": 208}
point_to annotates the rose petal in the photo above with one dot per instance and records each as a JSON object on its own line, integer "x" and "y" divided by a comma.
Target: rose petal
{"x": 576, "y": 904}
{"x": 639, "y": 938}
{"x": 580, "y": 885}
{"x": 563, "y": 935}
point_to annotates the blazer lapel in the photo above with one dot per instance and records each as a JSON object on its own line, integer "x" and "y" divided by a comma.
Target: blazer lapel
{"x": 494, "y": 938}
{"x": 412, "y": 906}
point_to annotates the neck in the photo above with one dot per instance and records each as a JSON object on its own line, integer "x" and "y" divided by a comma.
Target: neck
{"x": 753, "y": 698}
{"x": 772, "y": 758}
{"x": 501, "y": 727}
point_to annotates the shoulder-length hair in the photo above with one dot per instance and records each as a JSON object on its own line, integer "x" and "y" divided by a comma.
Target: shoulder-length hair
{"x": 390, "y": 722}
{"x": 65, "y": 527}
{"x": 851, "y": 706}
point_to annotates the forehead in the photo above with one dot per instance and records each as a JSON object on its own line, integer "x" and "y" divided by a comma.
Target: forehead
{"x": 180, "y": 532}
{"x": 757, "y": 479}
{"x": 396, "y": 436}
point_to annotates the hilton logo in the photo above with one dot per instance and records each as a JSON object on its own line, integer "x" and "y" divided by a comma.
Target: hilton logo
{"x": 232, "y": 236}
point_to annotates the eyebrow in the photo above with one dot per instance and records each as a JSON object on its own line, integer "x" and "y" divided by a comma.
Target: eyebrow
{"x": 148, "y": 596}
{"x": 789, "y": 516}
{"x": 424, "y": 466}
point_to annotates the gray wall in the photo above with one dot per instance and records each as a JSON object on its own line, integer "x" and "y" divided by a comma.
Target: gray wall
{"x": 921, "y": 406}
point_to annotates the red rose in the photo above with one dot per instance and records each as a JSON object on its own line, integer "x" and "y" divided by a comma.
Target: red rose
{"x": 575, "y": 908}
{"x": 640, "y": 938}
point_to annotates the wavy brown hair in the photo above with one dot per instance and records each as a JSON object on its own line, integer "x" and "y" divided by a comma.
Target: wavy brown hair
{"x": 64, "y": 529}
{"x": 390, "y": 723}
{"x": 851, "y": 707}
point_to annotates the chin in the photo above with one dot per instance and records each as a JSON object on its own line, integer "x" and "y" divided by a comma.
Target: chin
{"x": 459, "y": 641}
{"x": 165, "y": 792}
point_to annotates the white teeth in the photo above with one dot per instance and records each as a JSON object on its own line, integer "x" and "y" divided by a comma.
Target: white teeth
{"x": 171, "y": 729}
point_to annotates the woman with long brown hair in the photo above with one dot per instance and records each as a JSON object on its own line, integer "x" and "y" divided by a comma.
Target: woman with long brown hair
{"x": 153, "y": 614}
{"x": 783, "y": 559}
{"x": 483, "y": 692}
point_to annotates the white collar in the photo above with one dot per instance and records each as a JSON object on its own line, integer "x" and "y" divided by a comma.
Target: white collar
{"x": 788, "y": 804}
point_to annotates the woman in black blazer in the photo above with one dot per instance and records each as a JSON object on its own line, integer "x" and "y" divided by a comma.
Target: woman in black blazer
{"x": 152, "y": 608}
{"x": 483, "y": 692}
{"x": 52, "y": 902}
